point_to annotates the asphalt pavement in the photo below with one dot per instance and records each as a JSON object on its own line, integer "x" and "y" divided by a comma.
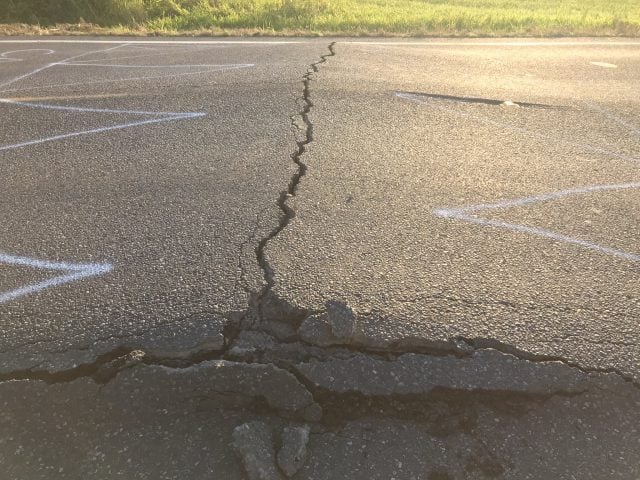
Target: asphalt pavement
{"x": 478, "y": 194}
{"x": 163, "y": 210}
{"x": 319, "y": 258}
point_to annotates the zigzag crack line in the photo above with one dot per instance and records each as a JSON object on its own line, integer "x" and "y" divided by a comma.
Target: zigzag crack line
{"x": 287, "y": 212}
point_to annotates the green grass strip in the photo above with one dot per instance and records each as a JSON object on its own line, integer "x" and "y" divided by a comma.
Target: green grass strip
{"x": 358, "y": 17}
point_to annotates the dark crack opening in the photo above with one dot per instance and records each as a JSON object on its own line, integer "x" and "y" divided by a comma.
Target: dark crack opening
{"x": 267, "y": 305}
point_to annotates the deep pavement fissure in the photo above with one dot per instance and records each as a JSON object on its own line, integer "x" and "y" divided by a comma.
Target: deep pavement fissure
{"x": 265, "y": 296}
{"x": 265, "y": 308}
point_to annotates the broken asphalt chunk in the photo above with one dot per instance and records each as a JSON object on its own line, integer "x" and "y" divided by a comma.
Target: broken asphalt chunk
{"x": 293, "y": 452}
{"x": 253, "y": 442}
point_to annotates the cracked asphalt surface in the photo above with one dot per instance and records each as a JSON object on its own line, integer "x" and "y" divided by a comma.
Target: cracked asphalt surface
{"x": 423, "y": 254}
{"x": 176, "y": 207}
{"x": 367, "y": 231}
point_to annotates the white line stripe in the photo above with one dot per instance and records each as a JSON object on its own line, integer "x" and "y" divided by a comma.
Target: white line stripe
{"x": 615, "y": 118}
{"x": 549, "y": 234}
{"x": 96, "y": 110}
{"x": 52, "y": 282}
{"x": 46, "y": 264}
{"x": 33, "y": 72}
{"x": 170, "y": 42}
{"x": 157, "y": 53}
{"x": 100, "y": 130}
{"x": 545, "y": 197}
{"x": 111, "y": 49}
{"x": 26, "y": 75}
{"x": 223, "y": 66}
{"x": 72, "y": 272}
{"x": 463, "y": 214}
{"x": 3, "y": 55}
{"x": 390, "y": 42}
{"x": 427, "y": 43}
{"x": 130, "y": 79}
{"x": 604, "y": 64}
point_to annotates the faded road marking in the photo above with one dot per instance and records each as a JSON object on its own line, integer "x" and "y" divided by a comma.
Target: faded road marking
{"x": 604, "y": 64}
{"x": 468, "y": 214}
{"x": 164, "y": 117}
{"x": 49, "y": 65}
{"x": 6, "y": 56}
{"x": 217, "y": 67}
{"x": 615, "y": 118}
{"x": 70, "y": 273}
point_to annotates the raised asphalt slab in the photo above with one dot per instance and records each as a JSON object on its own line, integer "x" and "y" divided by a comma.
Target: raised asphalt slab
{"x": 318, "y": 258}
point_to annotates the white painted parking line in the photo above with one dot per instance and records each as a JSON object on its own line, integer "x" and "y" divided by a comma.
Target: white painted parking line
{"x": 70, "y": 273}
{"x": 49, "y": 65}
{"x": 228, "y": 66}
{"x": 66, "y": 272}
{"x": 481, "y": 43}
{"x": 470, "y": 213}
{"x": 210, "y": 68}
{"x": 164, "y": 117}
{"x": 9, "y": 56}
{"x": 615, "y": 118}
{"x": 163, "y": 42}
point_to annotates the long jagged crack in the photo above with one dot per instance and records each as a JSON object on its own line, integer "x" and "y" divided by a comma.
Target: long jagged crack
{"x": 332, "y": 385}
{"x": 265, "y": 296}
{"x": 488, "y": 343}
{"x": 335, "y": 374}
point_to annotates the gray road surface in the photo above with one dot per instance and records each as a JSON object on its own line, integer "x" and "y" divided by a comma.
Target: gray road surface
{"x": 425, "y": 252}
{"x": 170, "y": 210}
{"x": 546, "y": 260}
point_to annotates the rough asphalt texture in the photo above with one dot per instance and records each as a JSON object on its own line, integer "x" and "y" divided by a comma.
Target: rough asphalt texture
{"x": 365, "y": 229}
{"x": 176, "y": 207}
{"x": 378, "y": 259}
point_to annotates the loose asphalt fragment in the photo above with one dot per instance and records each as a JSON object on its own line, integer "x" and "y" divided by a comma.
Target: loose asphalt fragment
{"x": 254, "y": 444}
{"x": 293, "y": 450}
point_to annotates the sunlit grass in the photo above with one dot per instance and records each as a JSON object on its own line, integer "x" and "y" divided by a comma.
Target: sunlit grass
{"x": 393, "y": 17}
